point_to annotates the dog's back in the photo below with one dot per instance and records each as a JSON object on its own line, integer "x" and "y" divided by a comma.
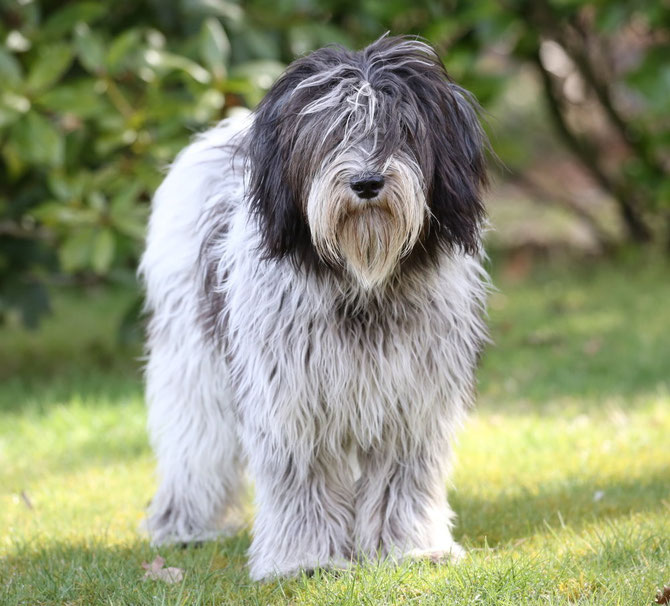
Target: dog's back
{"x": 208, "y": 173}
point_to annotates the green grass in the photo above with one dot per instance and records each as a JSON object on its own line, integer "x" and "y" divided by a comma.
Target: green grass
{"x": 561, "y": 485}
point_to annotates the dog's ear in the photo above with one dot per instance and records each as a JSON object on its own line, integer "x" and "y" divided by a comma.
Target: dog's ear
{"x": 272, "y": 196}
{"x": 457, "y": 144}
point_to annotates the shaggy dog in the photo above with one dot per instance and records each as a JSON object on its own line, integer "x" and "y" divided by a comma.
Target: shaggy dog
{"x": 316, "y": 296}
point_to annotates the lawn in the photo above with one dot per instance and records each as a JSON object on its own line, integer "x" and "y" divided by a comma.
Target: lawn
{"x": 561, "y": 484}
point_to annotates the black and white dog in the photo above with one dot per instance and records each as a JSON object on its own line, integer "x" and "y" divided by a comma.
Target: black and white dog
{"x": 316, "y": 295}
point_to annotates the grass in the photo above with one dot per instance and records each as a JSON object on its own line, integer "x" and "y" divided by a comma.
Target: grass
{"x": 561, "y": 485}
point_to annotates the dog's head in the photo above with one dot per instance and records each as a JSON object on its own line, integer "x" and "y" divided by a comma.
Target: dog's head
{"x": 363, "y": 160}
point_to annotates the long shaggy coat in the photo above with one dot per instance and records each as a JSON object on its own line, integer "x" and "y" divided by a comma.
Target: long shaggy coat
{"x": 316, "y": 296}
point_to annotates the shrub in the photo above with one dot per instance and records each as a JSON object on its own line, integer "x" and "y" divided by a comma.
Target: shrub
{"x": 98, "y": 96}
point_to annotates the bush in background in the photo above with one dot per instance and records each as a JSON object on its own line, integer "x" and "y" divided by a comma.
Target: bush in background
{"x": 96, "y": 98}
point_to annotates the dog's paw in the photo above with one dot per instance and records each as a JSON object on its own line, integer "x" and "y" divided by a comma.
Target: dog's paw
{"x": 190, "y": 544}
{"x": 181, "y": 531}
{"x": 453, "y": 554}
{"x": 294, "y": 569}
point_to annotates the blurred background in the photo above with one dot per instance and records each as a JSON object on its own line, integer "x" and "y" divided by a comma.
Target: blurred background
{"x": 98, "y": 97}
{"x": 565, "y": 462}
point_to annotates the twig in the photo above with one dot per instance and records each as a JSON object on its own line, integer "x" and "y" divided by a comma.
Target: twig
{"x": 621, "y": 192}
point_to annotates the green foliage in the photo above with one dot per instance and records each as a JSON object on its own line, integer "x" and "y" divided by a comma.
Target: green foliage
{"x": 98, "y": 97}
{"x": 95, "y": 102}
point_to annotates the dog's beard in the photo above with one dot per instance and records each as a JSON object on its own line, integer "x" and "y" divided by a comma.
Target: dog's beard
{"x": 368, "y": 237}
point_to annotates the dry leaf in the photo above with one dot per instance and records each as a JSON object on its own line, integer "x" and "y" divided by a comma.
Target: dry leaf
{"x": 156, "y": 572}
{"x": 663, "y": 597}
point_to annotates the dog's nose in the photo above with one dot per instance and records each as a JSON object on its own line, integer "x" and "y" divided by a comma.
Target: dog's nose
{"x": 367, "y": 186}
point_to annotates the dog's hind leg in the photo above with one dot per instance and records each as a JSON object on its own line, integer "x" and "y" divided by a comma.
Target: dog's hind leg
{"x": 192, "y": 429}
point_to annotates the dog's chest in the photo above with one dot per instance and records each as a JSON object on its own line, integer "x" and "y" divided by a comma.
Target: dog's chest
{"x": 333, "y": 373}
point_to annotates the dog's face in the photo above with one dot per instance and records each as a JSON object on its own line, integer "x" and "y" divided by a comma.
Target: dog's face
{"x": 366, "y": 160}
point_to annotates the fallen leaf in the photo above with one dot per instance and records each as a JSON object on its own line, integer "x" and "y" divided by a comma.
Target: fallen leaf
{"x": 156, "y": 571}
{"x": 663, "y": 596}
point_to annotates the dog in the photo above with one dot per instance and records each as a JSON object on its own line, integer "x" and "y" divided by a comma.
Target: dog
{"x": 314, "y": 279}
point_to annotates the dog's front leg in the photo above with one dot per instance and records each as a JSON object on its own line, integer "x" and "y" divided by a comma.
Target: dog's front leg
{"x": 401, "y": 506}
{"x": 304, "y": 515}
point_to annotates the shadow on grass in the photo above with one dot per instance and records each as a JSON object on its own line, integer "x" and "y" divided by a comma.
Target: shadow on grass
{"x": 22, "y": 392}
{"x": 76, "y": 353}
{"x": 576, "y": 503}
{"x": 97, "y": 571}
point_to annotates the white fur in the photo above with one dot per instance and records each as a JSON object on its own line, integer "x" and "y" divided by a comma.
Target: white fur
{"x": 297, "y": 384}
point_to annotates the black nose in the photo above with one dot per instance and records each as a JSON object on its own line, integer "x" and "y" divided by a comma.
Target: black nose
{"x": 367, "y": 186}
